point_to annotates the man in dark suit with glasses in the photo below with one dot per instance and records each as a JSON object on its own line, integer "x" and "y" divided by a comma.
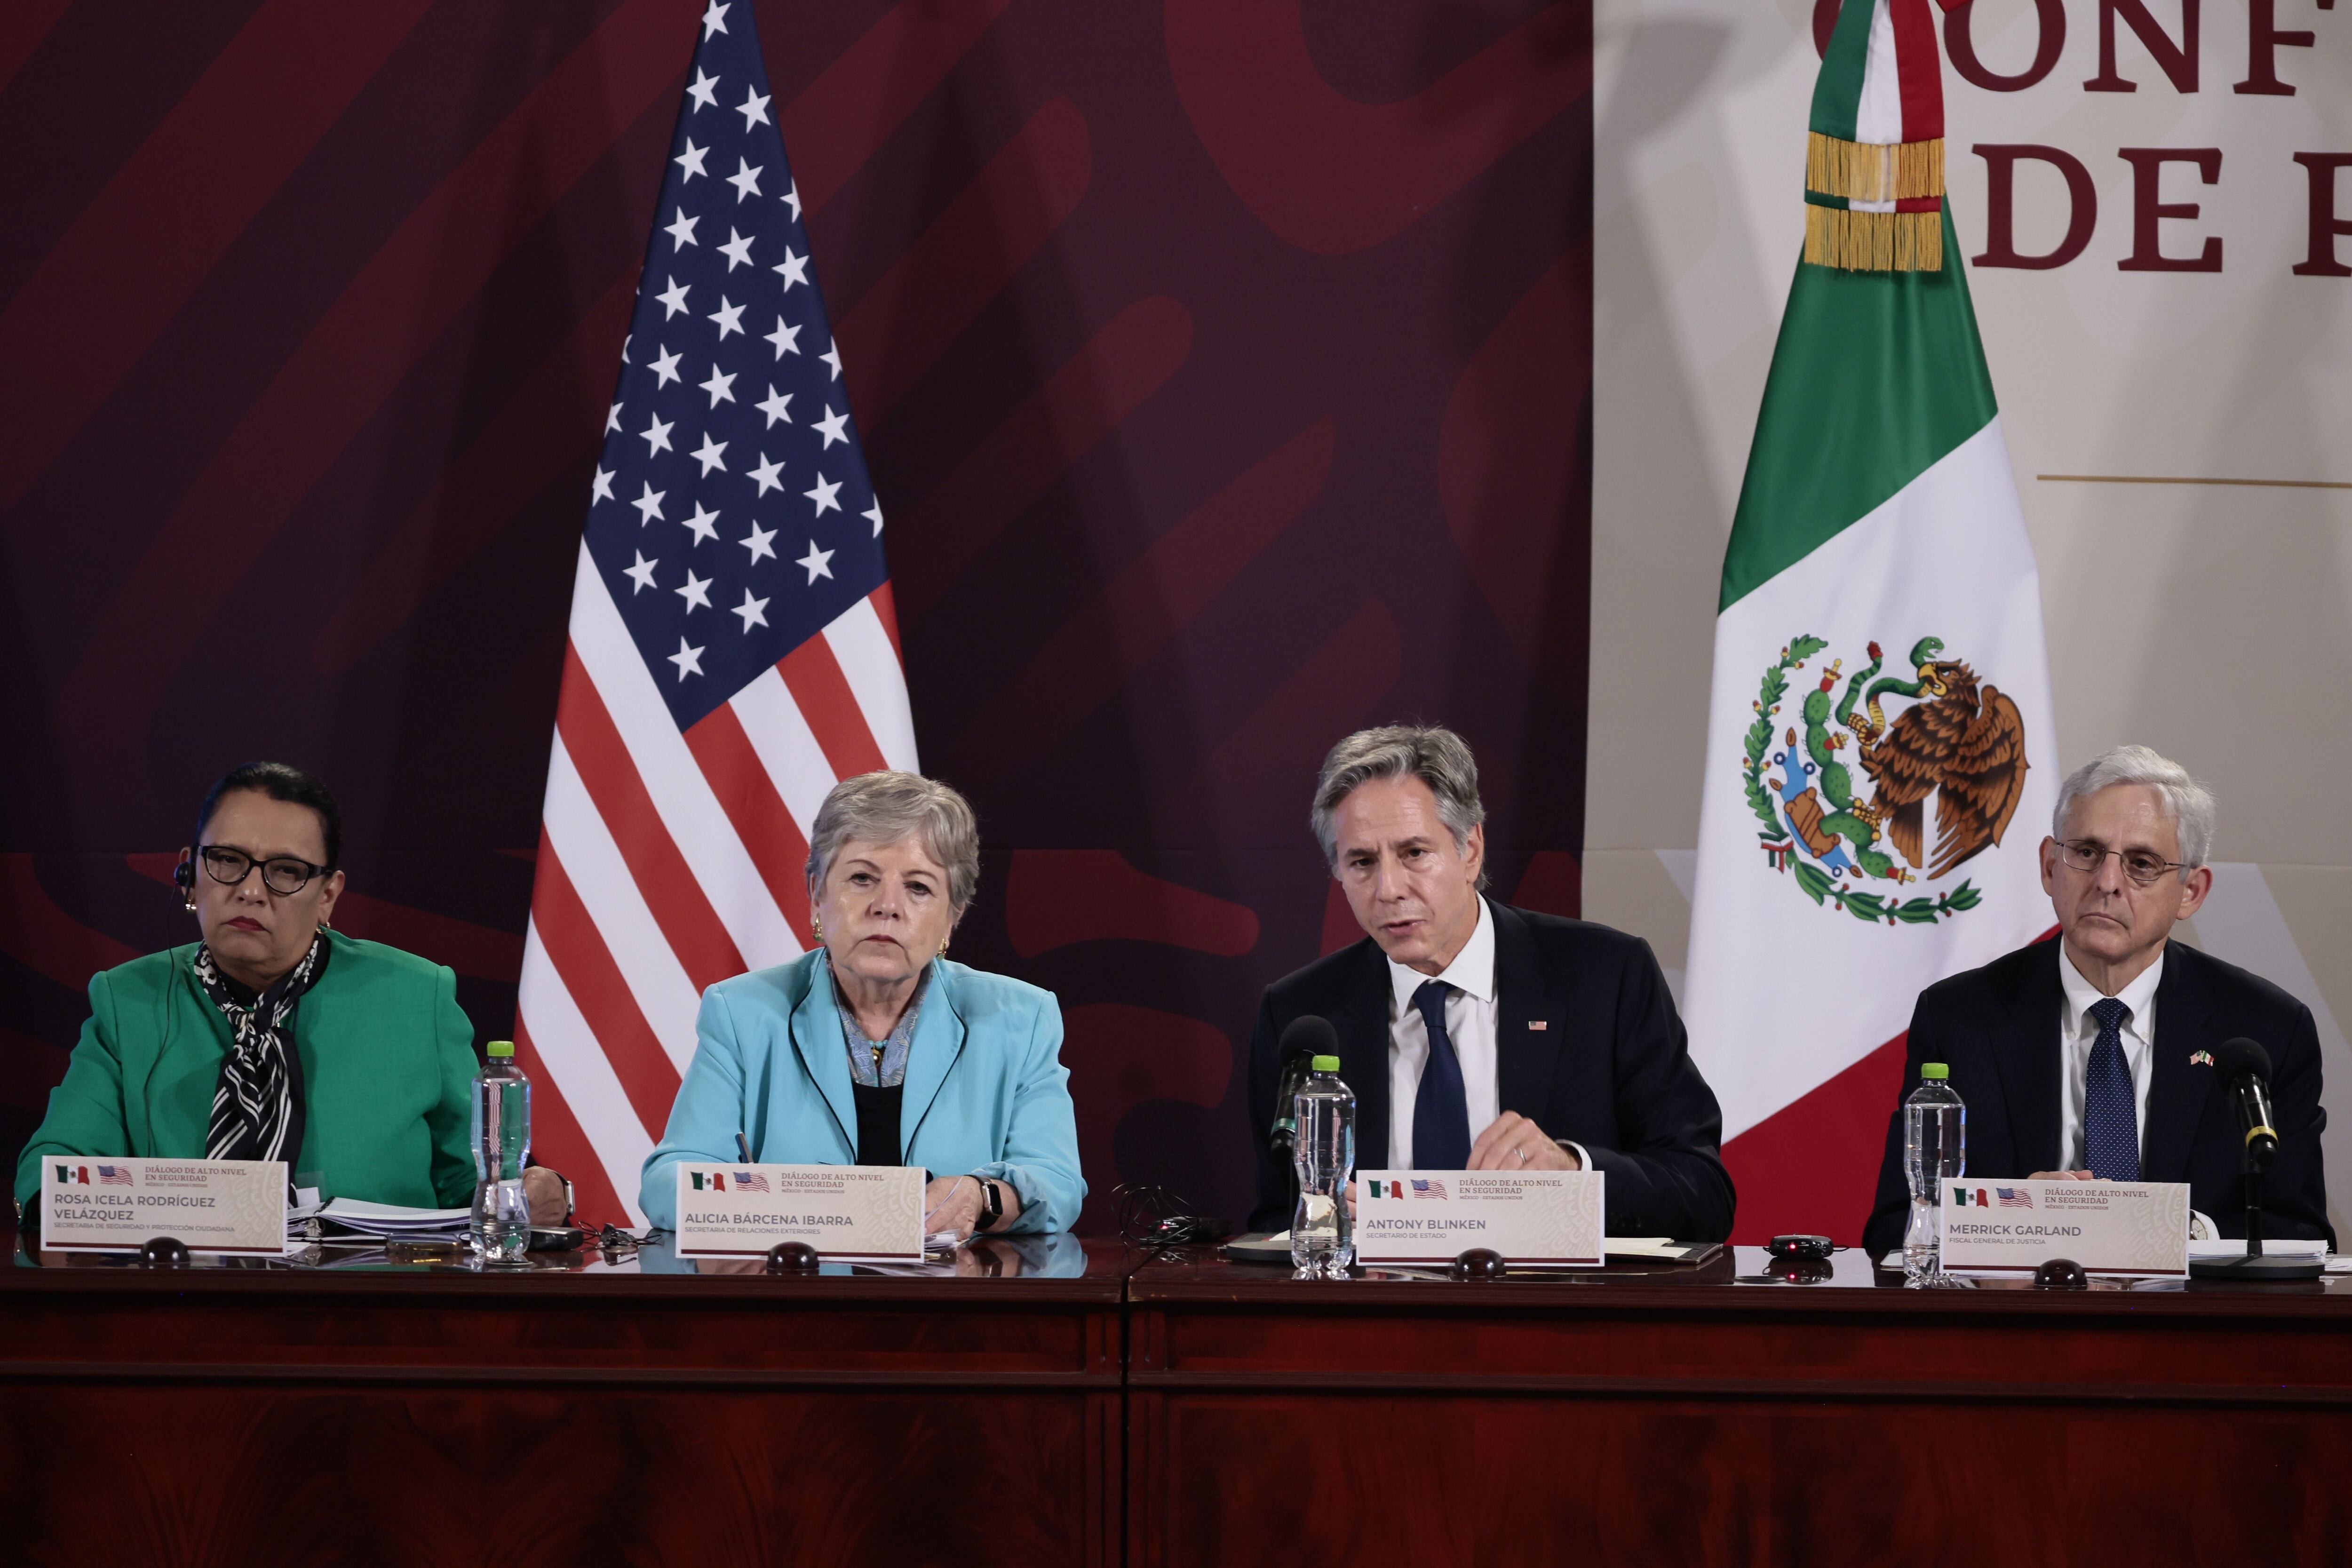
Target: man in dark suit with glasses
{"x": 2092, "y": 1056}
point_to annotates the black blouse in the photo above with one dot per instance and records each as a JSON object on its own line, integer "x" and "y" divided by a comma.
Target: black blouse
{"x": 877, "y": 1122}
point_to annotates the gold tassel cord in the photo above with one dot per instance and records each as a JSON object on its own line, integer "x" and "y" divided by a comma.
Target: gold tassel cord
{"x": 1874, "y": 242}
{"x": 1919, "y": 242}
{"x": 1921, "y": 169}
{"x": 1872, "y": 170}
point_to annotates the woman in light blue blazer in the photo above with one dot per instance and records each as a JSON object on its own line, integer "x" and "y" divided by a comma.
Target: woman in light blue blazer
{"x": 873, "y": 1049}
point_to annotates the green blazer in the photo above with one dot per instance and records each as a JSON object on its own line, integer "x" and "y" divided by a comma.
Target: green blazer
{"x": 387, "y": 1072}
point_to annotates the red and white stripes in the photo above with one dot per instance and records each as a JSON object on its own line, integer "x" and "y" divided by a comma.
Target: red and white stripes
{"x": 670, "y": 861}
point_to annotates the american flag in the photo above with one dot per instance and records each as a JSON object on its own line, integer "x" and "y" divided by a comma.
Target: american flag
{"x": 1429, "y": 1189}
{"x": 751, "y": 1182}
{"x": 733, "y": 651}
{"x": 114, "y": 1176}
{"x": 2011, "y": 1198}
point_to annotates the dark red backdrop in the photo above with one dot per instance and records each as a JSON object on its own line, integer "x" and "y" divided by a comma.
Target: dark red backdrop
{"x": 1223, "y": 366}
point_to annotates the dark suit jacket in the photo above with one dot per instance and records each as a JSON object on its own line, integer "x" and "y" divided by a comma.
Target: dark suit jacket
{"x": 1997, "y": 1028}
{"x": 1610, "y": 1069}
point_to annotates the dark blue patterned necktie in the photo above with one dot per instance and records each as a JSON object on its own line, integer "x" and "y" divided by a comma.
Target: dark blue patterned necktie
{"x": 1441, "y": 1108}
{"x": 2110, "y": 1116}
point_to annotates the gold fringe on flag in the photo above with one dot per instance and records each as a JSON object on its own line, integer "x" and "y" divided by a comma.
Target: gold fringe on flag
{"x": 1874, "y": 242}
{"x": 1871, "y": 172}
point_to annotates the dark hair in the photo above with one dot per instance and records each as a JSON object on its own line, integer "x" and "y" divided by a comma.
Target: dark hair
{"x": 279, "y": 780}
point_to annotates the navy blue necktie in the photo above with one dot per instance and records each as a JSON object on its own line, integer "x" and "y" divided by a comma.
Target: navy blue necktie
{"x": 2110, "y": 1114}
{"x": 1441, "y": 1108}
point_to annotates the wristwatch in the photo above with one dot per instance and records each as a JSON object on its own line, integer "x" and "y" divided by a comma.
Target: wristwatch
{"x": 992, "y": 1204}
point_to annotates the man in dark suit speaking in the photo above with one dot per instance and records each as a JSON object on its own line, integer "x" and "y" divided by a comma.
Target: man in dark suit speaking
{"x": 1475, "y": 1036}
{"x": 2092, "y": 1056}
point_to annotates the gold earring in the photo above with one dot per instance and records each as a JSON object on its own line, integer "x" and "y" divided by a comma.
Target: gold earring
{"x": 816, "y": 928}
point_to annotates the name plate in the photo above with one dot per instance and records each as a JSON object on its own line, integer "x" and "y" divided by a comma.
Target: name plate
{"x": 1540, "y": 1218}
{"x": 2137, "y": 1228}
{"x": 850, "y": 1214}
{"x": 118, "y": 1206}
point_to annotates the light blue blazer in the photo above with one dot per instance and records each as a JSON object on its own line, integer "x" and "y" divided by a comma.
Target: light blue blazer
{"x": 986, "y": 1090}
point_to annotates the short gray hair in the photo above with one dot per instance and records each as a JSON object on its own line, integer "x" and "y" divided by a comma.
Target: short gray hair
{"x": 884, "y": 807}
{"x": 1430, "y": 753}
{"x": 2189, "y": 803}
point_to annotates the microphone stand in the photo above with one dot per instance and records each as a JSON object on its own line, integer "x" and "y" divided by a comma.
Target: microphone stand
{"x": 2255, "y": 1267}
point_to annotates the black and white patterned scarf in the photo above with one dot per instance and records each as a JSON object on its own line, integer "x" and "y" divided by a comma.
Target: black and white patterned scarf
{"x": 257, "y": 1109}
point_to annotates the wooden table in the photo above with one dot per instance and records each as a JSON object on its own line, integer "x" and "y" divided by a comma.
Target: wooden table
{"x": 586, "y": 1412}
{"x": 1657, "y": 1415}
{"x": 1089, "y": 1404}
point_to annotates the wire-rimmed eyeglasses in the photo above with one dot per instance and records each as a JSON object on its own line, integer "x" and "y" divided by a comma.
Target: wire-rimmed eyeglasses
{"x": 2142, "y": 866}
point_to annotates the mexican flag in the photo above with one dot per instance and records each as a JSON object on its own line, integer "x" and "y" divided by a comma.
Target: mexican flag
{"x": 1881, "y": 761}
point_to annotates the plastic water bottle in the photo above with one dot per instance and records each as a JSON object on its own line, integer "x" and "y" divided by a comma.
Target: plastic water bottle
{"x": 501, "y": 1223}
{"x": 1322, "y": 1232}
{"x": 1935, "y": 1150}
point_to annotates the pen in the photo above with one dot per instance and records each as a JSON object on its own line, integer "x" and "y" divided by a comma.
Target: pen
{"x": 745, "y": 1144}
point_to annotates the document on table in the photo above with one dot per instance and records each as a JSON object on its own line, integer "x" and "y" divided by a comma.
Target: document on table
{"x": 2271, "y": 1249}
{"x": 1659, "y": 1248}
{"x": 357, "y": 1219}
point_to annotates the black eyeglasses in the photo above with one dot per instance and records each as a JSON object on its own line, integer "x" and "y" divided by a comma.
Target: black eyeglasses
{"x": 2142, "y": 866}
{"x": 283, "y": 874}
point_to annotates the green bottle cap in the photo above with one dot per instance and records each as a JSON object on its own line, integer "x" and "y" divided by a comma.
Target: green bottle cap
{"x": 1325, "y": 1064}
{"x": 1933, "y": 1070}
{"x": 499, "y": 1048}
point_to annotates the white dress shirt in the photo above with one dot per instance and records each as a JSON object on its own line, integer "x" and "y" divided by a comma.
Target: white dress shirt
{"x": 1472, "y": 1010}
{"x": 2078, "y": 1031}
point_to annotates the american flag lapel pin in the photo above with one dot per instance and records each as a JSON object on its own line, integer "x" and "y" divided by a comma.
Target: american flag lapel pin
{"x": 2204, "y": 1058}
{"x": 1538, "y": 1023}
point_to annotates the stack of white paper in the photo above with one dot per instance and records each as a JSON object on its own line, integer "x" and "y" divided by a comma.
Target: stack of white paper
{"x": 347, "y": 1218}
{"x": 2271, "y": 1248}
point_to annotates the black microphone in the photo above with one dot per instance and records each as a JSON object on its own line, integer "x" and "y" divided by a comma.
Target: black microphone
{"x": 1306, "y": 1038}
{"x": 2245, "y": 1066}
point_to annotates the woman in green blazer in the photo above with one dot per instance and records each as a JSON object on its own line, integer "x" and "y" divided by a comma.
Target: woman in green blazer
{"x": 276, "y": 1037}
